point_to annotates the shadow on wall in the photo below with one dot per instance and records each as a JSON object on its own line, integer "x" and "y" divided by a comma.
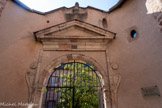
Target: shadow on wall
{"x": 154, "y": 7}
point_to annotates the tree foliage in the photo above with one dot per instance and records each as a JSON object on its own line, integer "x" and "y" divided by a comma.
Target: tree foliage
{"x": 85, "y": 89}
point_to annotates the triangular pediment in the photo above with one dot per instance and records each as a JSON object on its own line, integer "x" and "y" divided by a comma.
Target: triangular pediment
{"x": 74, "y": 29}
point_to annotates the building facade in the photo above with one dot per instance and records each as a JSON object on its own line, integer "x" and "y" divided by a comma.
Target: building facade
{"x": 123, "y": 44}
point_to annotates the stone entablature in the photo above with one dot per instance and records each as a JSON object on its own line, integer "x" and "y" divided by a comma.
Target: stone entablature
{"x": 74, "y": 35}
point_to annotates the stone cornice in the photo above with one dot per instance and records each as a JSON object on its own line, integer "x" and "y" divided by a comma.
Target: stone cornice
{"x": 53, "y": 32}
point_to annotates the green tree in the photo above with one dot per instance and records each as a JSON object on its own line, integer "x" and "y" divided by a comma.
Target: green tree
{"x": 85, "y": 83}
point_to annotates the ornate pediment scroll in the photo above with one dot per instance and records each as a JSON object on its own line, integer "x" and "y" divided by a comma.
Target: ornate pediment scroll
{"x": 76, "y": 33}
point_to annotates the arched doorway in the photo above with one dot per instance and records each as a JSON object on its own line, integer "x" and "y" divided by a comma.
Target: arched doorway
{"x": 73, "y": 84}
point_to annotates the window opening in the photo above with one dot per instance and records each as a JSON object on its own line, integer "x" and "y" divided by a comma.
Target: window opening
{"x": 133, "y": 34}
{"x": 104, "y": 23}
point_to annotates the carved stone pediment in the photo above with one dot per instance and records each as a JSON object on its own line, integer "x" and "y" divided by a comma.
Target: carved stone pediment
{"x": 74, "y": 29}
{"x": 74, "y": 32}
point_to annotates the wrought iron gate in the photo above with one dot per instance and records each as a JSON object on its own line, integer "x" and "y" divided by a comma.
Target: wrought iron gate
{"x": 73, "y": 84}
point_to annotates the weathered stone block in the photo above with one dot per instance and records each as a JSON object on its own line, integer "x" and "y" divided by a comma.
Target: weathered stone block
{"x": 65, "y": 47}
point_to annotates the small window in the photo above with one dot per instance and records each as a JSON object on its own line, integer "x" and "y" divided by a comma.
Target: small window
{"x": 104, "y": 23}
{"x": 133, "y": 34}
{"x": 48, "y": 21}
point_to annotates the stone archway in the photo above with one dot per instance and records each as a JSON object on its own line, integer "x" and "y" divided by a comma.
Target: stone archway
{"x": 47, "y": 71}
{"x": 74, "y": 83}
{"x": 76, "y": 40}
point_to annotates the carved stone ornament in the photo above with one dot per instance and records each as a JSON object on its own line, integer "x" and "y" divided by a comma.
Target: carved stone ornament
{"x": 114, "y": 66}
{"x": 33, "y": 65}
{"x": 30, "y": 78}
{"x": 76, "y": 8}
{"x": 2, "y": 5}
{"x": 76, "y": 13}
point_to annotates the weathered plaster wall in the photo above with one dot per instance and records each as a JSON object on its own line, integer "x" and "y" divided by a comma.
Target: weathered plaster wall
{"x": 19, "y": 50}
{"x": 139, "y": 60}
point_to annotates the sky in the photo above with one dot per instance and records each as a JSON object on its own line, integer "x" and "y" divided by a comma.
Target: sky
{"x": 47, "y": 5}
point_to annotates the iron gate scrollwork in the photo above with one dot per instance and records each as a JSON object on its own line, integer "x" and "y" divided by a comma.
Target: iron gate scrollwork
{"x": 73, "y": 84}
